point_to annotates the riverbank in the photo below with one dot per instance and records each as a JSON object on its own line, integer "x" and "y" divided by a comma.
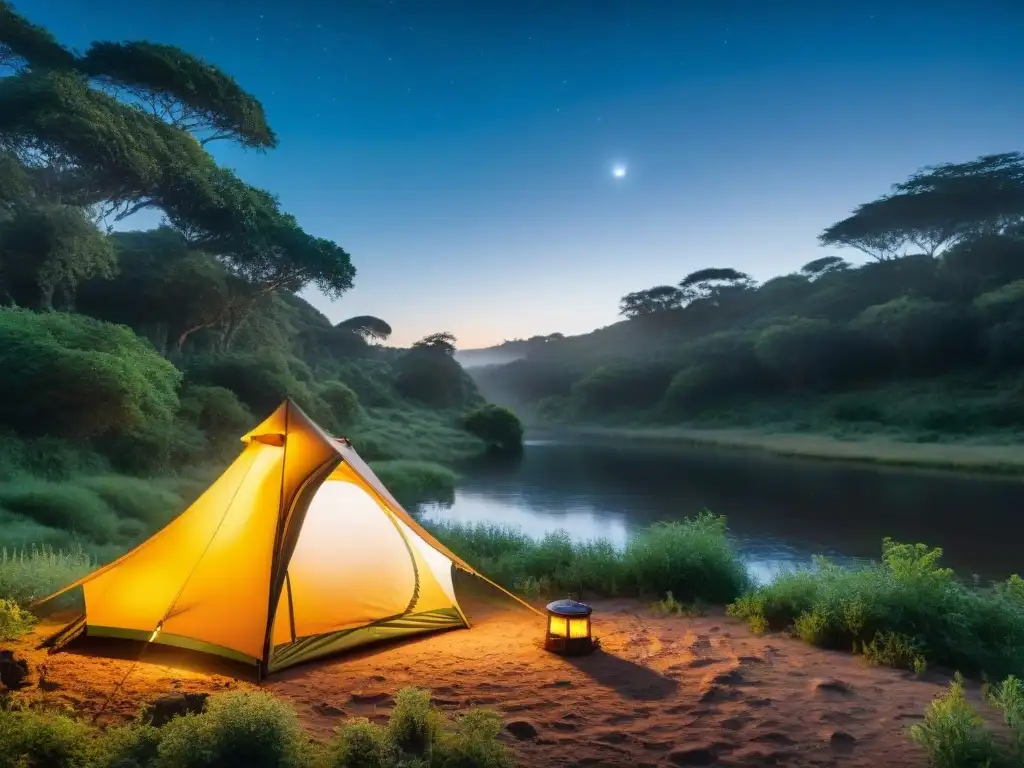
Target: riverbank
{"x": 962, "y": 456}
{"x": 661, "y": 690}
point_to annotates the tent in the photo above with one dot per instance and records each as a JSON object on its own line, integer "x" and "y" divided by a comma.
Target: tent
{"x": 295, "y": 552}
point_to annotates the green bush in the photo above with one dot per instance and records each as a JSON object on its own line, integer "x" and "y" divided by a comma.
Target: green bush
{"x": 30, "y": 574}
{"x": 907, "y": 601}
{"x": 119, "y": 381}
{"x": 497, "y": 426}
{"x": 136, "y": 499}
{"x": 49, "y": 458}
{"x": 415, "y": 482}
{"x": 15, "y": 621}
{"x": 66, "y": 506}
{"x": 342, "y": 403}
{"x": 260, "y": 381}
{"x": 693, "y": 559}
{"x": 434, "y": 379}
{"x": 220, "y": 415}
{"x": 35, "y": 740}
{"x": 953, "y": 734}
{"x": 240, "y": 729}
{"x": 633, "y": 384}
{"x": 253, "y": 729}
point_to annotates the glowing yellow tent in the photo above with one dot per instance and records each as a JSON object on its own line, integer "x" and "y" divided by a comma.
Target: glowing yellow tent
{"x": 295, "y": 552}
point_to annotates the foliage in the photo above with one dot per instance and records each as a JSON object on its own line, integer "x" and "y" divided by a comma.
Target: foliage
{"x": 120, "y": 382}
{"x": 253, "y": 728}
{"x": 906, "y": 610}
{"x": 953, "y": 734}
{"x": 15, "y": 621}
{"x": 692, "y": 559}
{"x": 497, "y": 426}
{"x": 342, "y": 404}
{"x": 50, "y": 249}
{"x": 415, "y": 482}
{"x": 27, "y": 575}
{"x": 188, "y": 92}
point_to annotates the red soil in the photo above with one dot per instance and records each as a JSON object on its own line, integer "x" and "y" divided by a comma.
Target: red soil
{"x": 660, "y": 692}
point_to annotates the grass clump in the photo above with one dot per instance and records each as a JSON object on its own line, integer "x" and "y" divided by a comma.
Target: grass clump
{"x": 15, "y": 621}
{"x": 953, "y": 734}
{"x": 668, "y": 606}
{"x": 1008, "y": 698}
{"x": 905, "y": 611}
{"x": 238, "y": 729}
{"x": 415, "y": 482}
{"x": 693, "y": 559}
{"x": 253, "y": 729}
{"x": 30, "y": 574}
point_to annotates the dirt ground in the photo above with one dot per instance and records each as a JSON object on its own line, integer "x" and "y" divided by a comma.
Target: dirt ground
{"x": 660, "y": 692}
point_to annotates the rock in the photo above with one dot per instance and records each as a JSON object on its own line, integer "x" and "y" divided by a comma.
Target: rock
{"x": 164, "y": 709}
{"x": 523, "y": 730}
{"x": 831, "y": 685}
{"x": 328, "y": 710}
{"x": 13, "y": 671}
{"x": 698, "y": 756}
{"x": 842, "y": 741}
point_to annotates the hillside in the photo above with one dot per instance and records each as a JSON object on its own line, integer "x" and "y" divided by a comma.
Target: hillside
{"x": 921, "y": 341}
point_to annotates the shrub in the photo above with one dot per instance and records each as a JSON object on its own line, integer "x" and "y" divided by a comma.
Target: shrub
{"x": 66, "y": 506}
{"x": 953, "y": 733}
{"x": 434, "y": 379}
{"x": 415, "y": 482}
{"x": 243, "y": 729}
{"x": 120, "y": 382}
{"x": 30, "y": 574}
{"x": 633, "y": 384}
{"x": 262, "y": 382}
{"x": 342, "y": 403}
{"x": 15, "y": 621}
{"x": 361, "y": 744}
{"x": 219, "y": 413}
{"x": 920, "y": 335}
{"x": 497, "y": 426}
{"x": 1008, "y": 698}
{"x": 905, "y": 609}
{"x": 693, "y": 559}
{"x": 811, "y": 354}
{"x": 136, "y": 499}
{"x": 32, "y": 739}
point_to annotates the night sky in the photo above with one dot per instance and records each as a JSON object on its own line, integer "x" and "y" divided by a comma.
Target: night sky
{"x": 463, "y": 150}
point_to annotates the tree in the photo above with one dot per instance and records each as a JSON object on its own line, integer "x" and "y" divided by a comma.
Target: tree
{"x": 25, "y": 45}
{"x": 826, "y": 265}
{"x": 367, "y": 327}
{"x": 181, "y": 89}
{"x": 497, "y": 426}
{"x": 443, "y": 343}
{"x": 715, "y": 283}
{"x": 937, "y": 207}
{"x": 50, "y": 249}
{"x": 651, "y": 301}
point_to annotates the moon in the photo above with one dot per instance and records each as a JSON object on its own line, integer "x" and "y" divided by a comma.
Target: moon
{"x": 619, "y": 170}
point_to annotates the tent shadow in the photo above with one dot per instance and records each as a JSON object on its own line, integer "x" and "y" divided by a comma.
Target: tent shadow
{"x": 159, "y": 655}
{"x": 628, "y": 679}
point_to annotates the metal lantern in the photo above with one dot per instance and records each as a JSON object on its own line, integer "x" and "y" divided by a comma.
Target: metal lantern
{"x": 568, "y": 630}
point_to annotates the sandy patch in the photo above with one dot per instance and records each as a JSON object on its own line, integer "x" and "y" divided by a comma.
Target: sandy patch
{"x": 660, "y": 692}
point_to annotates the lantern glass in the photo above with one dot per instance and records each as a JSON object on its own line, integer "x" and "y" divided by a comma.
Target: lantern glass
{"x": 568, "y": 629}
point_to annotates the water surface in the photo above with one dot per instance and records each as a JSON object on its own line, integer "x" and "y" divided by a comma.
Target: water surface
{"x": 781, "y": 511}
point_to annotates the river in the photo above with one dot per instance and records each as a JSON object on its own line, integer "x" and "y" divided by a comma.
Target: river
{"x": 781, "y": 511}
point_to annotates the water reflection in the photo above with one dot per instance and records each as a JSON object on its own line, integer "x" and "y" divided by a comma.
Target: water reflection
{"x": 781, "y": 511}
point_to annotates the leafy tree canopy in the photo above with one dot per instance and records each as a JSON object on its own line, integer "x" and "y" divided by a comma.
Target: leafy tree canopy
{"x": 648, "y": 302}
{"x": 442, "y": 342}
{"x": 182, "y": 89}
{"x": 26, "y": 45}
{"x": 366, "y": 326}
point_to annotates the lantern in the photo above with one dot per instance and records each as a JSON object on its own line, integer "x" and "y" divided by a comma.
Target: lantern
{"x": 568, "y": 630}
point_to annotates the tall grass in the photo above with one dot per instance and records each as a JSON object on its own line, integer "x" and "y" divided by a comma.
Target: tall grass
{"x": 30, "y": 574}
{"x": 255, "y": 730}
{"x": 905, "y": 610}
{"x": 693, "y": 559}
{"x": 413, "y": 482}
